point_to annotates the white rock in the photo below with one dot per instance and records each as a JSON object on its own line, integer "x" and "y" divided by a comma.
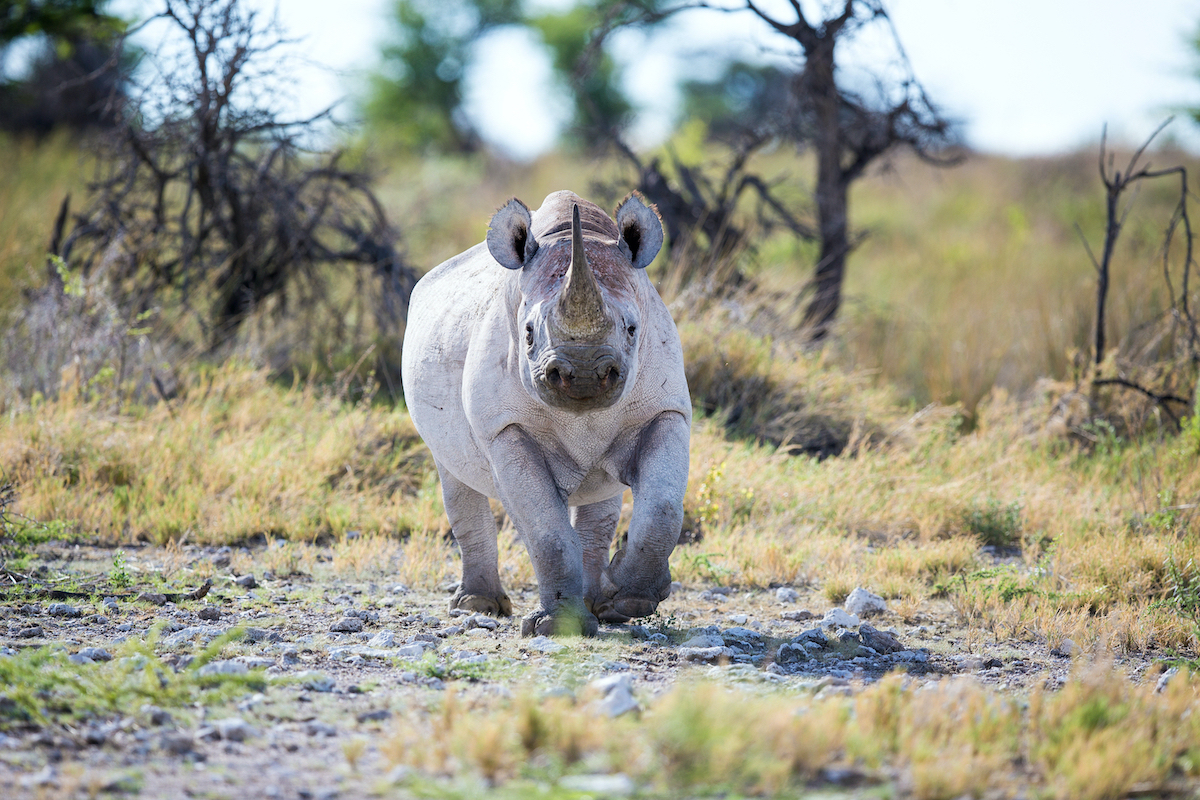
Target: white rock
{"x": 316, "y": 681}
{"x": 233, "y": 729}
{"x": 414, "y": 650}
{"x": 704, "y": 654}
{"x": 791, "y": 653}
{"x": 383, "y": 639}
{"x": 617, "y": 695}
{"x": 838, "y": 618}
{"x": 544, "y": 644}
{"x": 864, "y": 604}
{"x": 705, "y": 640}
{"x": 738, "y": 619}
{"x": 347, "y": 653}
{"x": 228, "y": 667}
{"x": 619, "y": 785}
{"x": 786, "y": 594}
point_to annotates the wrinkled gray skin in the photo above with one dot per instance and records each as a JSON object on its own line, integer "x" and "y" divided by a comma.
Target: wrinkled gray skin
{"x": 542, "y": 368}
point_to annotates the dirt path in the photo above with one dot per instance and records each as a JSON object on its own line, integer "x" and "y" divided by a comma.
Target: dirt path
{"x": 328, "y": 668}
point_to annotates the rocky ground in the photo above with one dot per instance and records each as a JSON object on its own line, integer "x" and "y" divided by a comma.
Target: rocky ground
{"x": 343, "y": 660}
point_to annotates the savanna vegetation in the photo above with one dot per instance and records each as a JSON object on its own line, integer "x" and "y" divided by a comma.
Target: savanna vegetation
{"x": 947, "y": 445}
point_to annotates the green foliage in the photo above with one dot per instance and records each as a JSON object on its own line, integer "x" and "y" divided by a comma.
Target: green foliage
{"x": 742, "y": 96}
{"x": 43, "y": 686}
{"x": 994, "y": 523}
{"x": 599, "y": 104}
{"x": 118, "y": 576}
{"x": 416, "y": 93}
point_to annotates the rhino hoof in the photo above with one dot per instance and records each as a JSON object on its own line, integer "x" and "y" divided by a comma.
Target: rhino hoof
{"x": 482, "y": 604}
{"x": 566, "y": 622}
{"x": 634, "y": 606}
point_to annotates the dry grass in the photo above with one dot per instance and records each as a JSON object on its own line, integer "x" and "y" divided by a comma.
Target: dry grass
{"x": 1100, "y": 737}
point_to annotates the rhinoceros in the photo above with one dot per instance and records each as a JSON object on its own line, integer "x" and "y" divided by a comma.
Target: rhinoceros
{"x": 542, "y": 368}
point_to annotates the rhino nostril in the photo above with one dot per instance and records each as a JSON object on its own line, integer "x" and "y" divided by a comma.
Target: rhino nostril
{"x": 612, "y": 376}
{"x": 554, "y": 376}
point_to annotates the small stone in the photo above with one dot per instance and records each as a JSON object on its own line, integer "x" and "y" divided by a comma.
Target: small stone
{"x": 814, "y": 636}
{"x": 97, "y": 619}
{"x": 838, "y": 618}
{"x": 616, "y": 695}
{"x": 791, "y": 653}
{"x": 915, "y": 656}
{"x": 318, "y": 728}
{"x": 30, "y": 610}
{"x": 657, "y": 638}
{"x": 1165, "y": 679}
{"x": 676, "y": 587}
{"x": 1065, "y": 649}
{"x": 155, "y": 715}
{"x": 879, "y": 641}
{"x": 209, "y": 612}
{"x": 544, "y": 644}
{"x": 154, "y": 598}
{"x": 970, "y": 663}
{"x": 177, "y": 743}
{"x": 619, "y": 785}
{"x": 78, "y": 659}
{"x": 246, "y": 581}
{"x": 316, "y": 682}
{"x": 413, "y": 650}
{"x": 62, "y": 610}
{"x": 704, "y": 655}
{"x": 95, "y": 653}
{"x": 798, "y": 616}
{"x": 233, "y": 729}
{"x": 378, "y": 715}
{"x": 786, "y": 594}
{"x": 864, "y": 604}
{"x": 992, "y": 663}
{"x": 383, "y": 639}
{"x": 484, "y": 621}
{"x": 347, "y": 625}
{"x": 32, "y": 632}
{"x": 226, "y": 667}
{"x": 738, "y": 619}
{"x": 704, "y": 640}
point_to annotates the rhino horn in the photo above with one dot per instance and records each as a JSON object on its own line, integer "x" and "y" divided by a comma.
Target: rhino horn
{"x": 580, "y": 306}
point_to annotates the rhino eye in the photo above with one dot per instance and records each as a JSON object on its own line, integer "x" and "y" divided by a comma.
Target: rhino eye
{"x": 529, "y": 335}
{"x": 632, "y": 331}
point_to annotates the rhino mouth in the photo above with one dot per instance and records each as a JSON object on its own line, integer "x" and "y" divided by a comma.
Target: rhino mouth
{"x": 580, "y": 376}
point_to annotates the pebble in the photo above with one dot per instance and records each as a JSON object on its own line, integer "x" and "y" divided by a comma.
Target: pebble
{"x": 177, "y": 743}
{"x": 704, "y": 640}
{"x": 863, "y": 604}
{"x": 62, "y": 610}
{"x": 246, "y": 581}
{"x": 703, "y": 655}
{"x": 879, "y": 641}
{"x": 224, "y": 667}
{"x": 786, "y": 594}
{"x": 378, "y": 715}
{"x": 155, "y": 715}
{"x": 657, "y": 638}
{"x": 209, "y": 612}
{"x": 791, "y": 653}
{"x": 1065, "y": 649}
{"x": 616, "y": 693}
{"x": 619, "y": 785}
{"x": 383, "y": 639}
{"x": 738, "y": 619}
{"x": 32, "y": 632}
{"x": 544, "y": 644}
{"x": 232, "y": 729}
{"x": 798, "y": 616}
{"x": 838, "y": 618}
{"x": 1165, "y": 679}
{"x": 812, "y": 635}
{"x": 482, "y": 621}
{"x": 95, "y": 653}
{"x": 316, "y": 681}
{"x": 154, "y": 598}
{"x": 347, "y": 625}
{"x": 318, "y": 728}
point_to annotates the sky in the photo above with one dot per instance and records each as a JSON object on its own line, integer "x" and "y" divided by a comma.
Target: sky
{"x": 1025, "y": 77}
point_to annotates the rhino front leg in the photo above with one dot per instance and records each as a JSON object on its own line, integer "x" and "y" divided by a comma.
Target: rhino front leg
{"x": 596, "y": 523}
{"x": 639, "y": 577}
{"x": 474, "y": 529}
{"x": 539, "y": 511}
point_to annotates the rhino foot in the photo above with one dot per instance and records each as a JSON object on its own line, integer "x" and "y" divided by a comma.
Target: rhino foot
{"x": 566, "y": 621}
{"x": 482, "y": 604}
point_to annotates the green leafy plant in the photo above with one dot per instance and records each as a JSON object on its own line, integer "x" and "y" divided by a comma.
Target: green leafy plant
{"x": 118, "y": 576}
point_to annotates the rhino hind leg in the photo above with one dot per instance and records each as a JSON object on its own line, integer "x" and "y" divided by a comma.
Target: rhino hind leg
{"x": 474, "y": 529}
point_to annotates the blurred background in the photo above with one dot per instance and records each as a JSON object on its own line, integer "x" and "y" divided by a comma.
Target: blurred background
{"x": 907, "y": 192}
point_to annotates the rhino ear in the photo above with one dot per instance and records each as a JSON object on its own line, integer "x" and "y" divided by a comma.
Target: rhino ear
{"x": 641, "y": 229}
{"x": 509, "y": 239}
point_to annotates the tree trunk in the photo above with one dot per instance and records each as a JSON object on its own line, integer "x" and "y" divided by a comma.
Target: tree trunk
{"x": 831, "y": 190}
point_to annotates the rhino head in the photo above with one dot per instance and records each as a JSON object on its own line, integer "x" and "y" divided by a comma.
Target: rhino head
{"x": 579, "y": 317}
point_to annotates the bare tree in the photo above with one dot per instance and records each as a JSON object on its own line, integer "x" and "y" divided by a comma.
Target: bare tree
{"x": 207, "y": 201}
{"x": 1183, "y": 330}
{"x": 847, "y": 132}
